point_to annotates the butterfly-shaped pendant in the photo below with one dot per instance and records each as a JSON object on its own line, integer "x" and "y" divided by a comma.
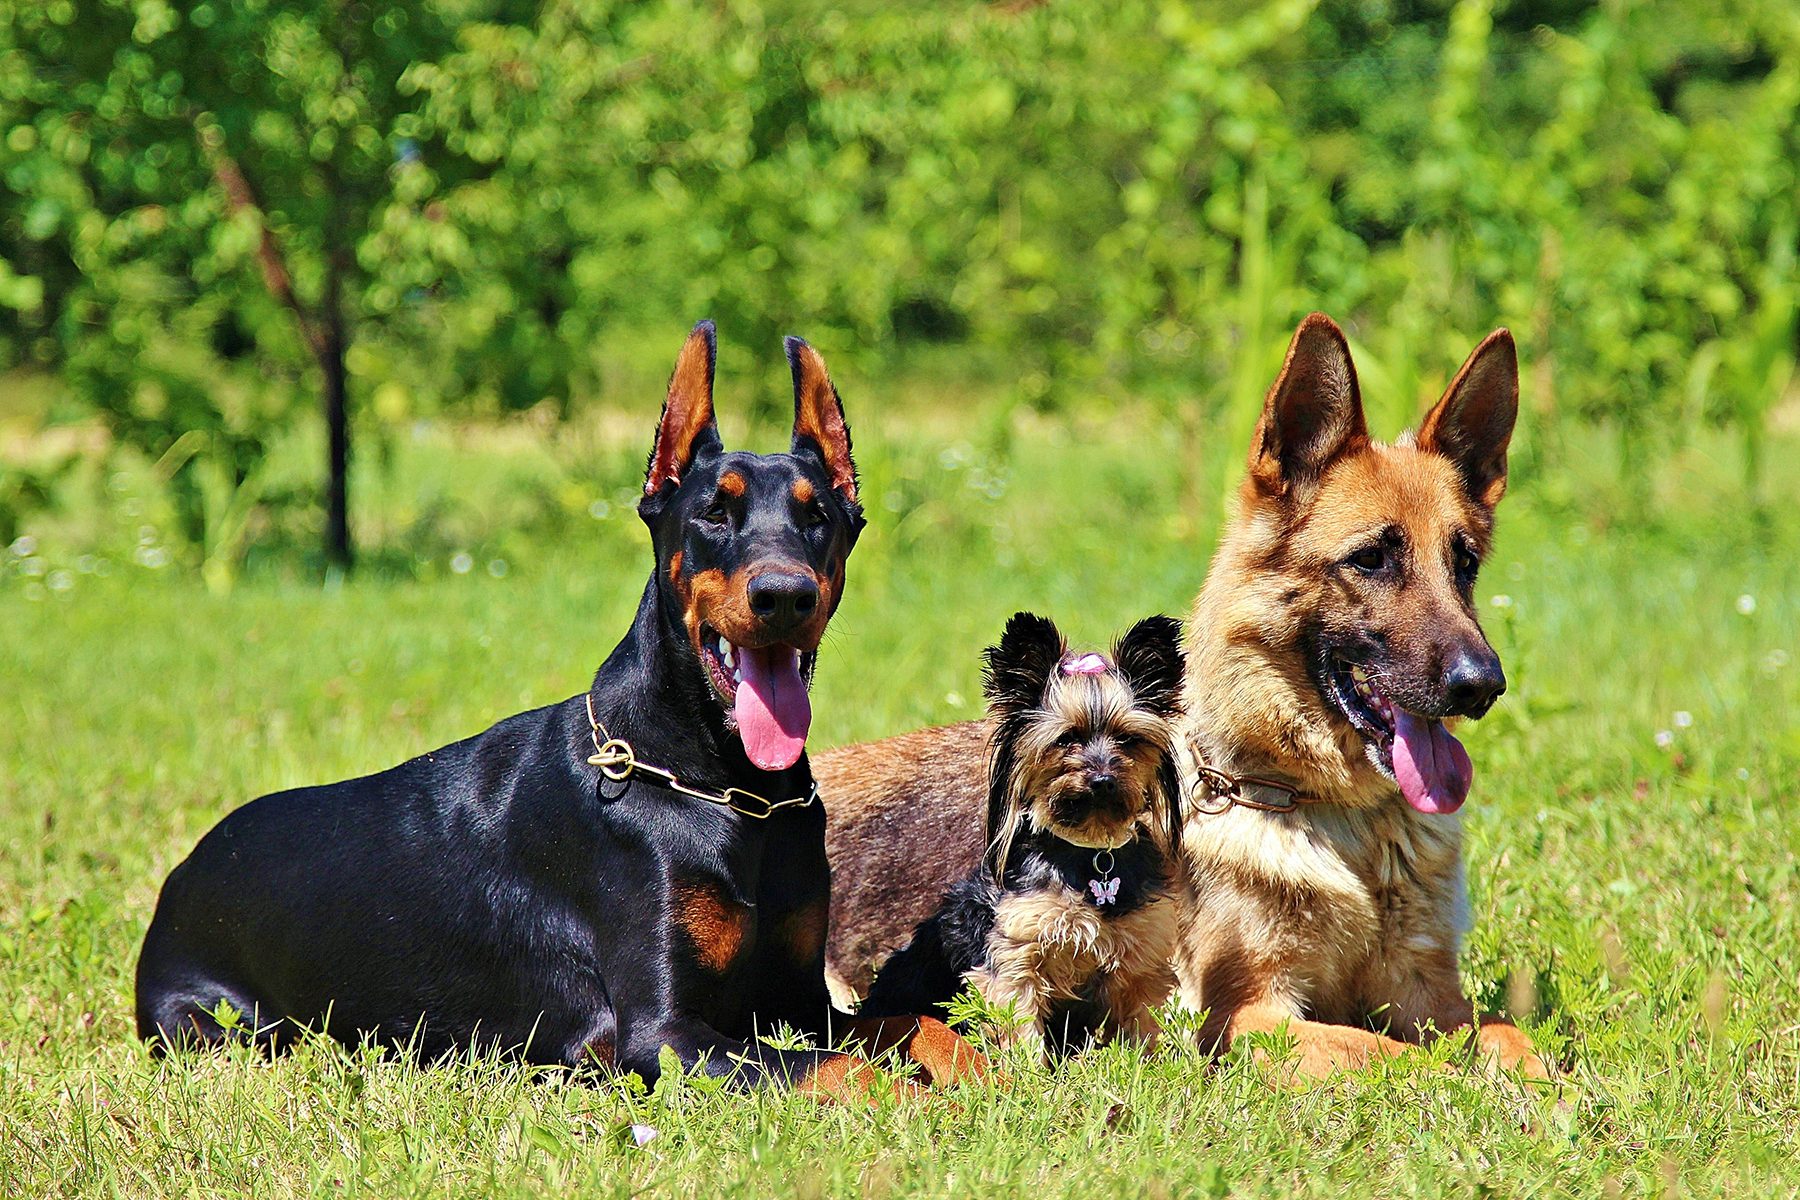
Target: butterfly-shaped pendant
{"x": 1106, "y": 891}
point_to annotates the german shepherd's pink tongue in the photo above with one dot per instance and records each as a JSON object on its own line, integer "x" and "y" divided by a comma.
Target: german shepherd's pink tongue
{"x": 772, "y": 709}
{"x": 1430, "y": 765}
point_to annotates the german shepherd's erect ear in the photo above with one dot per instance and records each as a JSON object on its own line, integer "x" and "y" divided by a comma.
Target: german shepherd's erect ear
{"x": 819, "y": 426}
{"x": 687, "y": 428}
{"x": 1472, "y": 425}
{"x": 1312, "y": 415}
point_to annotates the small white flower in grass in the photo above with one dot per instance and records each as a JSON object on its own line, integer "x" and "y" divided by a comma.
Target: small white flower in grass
{"x": 462, "y": 562}
{"x": 1774, "y": 660}
{"x": 497, "y": 568}
{"x": 1500, "y": 600}
{"x": 1746, "y": 604}
{"x": 1683, "y": 718}
{"x": 599, "y": 510}
{"x": 61, "y": 581}
{"x": 954, "y": 699}
{"x": 643, "y": 1135}
{"x": 1664, "y": 739}
{"x": 1743, "y": 774}
{"x": 24, "y": 546}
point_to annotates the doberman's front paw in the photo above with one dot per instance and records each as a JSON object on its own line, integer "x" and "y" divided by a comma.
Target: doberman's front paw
{"x": 944, "y": 1057}
{"x": 852, "y": 1079}
{"x": 1508, "y": 1047}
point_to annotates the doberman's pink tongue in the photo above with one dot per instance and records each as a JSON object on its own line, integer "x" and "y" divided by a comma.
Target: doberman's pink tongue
{"x": 1431, "y": 766}
{"x": 772, "y": 709}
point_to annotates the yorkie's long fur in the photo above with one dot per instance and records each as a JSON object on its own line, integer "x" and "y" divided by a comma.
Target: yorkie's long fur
{"x": 1070, "y": 916}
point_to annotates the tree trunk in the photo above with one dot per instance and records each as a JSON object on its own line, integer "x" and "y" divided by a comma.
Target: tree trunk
{"x": 338, "y": 550}
{"x": 323, "y": 331}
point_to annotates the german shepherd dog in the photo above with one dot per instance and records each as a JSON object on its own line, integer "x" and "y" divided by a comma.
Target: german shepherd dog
{"x": 1334, "y": 637}
{"x": 638, "y": 867}
{"x": 1071, "y": 916}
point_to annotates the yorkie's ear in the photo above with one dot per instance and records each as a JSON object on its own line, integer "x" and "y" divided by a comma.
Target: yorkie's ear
{"x": 1019, "y": 667}
{"x": 1149, "y": 657}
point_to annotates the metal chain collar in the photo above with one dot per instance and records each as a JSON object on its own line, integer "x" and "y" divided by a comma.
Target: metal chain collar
{"x": 618, "y": 761}
{"x": 1214, "y": 792}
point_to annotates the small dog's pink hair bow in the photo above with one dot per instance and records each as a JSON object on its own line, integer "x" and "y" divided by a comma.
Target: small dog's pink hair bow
{"x": 1086, "y": 664}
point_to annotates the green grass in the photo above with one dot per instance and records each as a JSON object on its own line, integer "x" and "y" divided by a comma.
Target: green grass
{"x": 1638, "y": 899}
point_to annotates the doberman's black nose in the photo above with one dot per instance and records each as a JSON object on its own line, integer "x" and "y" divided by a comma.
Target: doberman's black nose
{"x": 783, "y": 598}
{"x": 1473, "y": 680}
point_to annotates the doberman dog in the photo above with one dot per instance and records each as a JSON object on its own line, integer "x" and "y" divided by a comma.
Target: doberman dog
{"x": 639, "y": 867}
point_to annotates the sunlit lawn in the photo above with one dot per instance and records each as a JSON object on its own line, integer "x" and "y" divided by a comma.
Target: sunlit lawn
{"x": 1632, "y": 841}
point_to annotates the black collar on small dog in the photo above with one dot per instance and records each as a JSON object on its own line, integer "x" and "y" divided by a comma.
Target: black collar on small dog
{"x": 618, "y": 761}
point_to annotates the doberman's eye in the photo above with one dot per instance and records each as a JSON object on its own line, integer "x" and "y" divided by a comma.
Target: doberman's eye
{"x": 815, "y": 514}
{"x": 1369, "y": 559}
{"x": 718, "y": 514}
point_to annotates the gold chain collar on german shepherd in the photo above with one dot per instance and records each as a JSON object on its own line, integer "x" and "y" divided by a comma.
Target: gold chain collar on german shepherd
{"x": 1214, "y": 792}
{"x": 618, "y": 761}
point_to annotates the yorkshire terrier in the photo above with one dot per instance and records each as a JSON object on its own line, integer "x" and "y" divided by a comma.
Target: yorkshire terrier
{"x": 1070, "y": 916}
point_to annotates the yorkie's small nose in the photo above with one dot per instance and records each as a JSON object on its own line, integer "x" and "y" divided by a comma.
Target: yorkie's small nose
{"x": 1104, "y": 787}
{"x": 783, "y": 598}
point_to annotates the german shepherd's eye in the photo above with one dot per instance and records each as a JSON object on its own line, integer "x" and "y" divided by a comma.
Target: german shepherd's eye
{"x": 1370, "y": 559}
{"x": 1466, "y": 562}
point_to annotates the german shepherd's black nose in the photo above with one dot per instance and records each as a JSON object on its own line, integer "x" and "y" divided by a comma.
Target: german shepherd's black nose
{"x": 1473, "y": 680}
{"x": 783, "y": 598}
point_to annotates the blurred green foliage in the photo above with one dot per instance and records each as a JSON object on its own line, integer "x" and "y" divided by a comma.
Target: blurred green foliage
{"x": 503, "y": 204}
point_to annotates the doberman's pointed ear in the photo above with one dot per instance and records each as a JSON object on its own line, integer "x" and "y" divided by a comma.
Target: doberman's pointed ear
{"x": 1018, "y": 669}
{"x": 1313, "y": 414}
{"x": 1149, "y": 657}
{"x": 819, "y": 426}
{"x": 1472, "y": 424}
{"x": 687, "y": 426}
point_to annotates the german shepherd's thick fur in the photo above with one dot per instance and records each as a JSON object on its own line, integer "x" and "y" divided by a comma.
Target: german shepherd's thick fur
{"x": 1335, "y": 634}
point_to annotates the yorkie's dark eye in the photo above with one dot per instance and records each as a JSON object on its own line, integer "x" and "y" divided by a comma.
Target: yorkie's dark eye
{"x": 1071, "y": 738}
{"x": 1369, "y": 559}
